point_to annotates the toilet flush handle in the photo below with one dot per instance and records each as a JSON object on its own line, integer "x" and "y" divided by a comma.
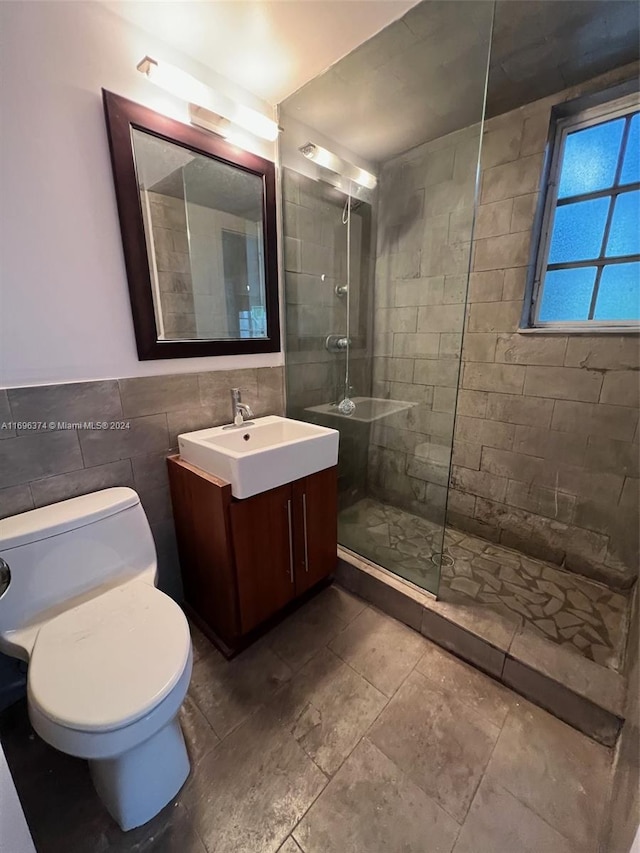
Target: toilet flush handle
{"x": 5, "y": 576}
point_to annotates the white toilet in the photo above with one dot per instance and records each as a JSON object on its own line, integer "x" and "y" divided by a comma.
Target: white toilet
{"x": 109, "y": 654}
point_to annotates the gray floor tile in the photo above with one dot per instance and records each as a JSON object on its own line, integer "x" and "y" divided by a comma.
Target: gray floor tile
{"x": 252, "y": 789}
{"x": 342, "y": 603}
{"x": 477, "y": 691}
{"x": 199, "y": 735}
{"x": 175, "y": 834}
{"x": 227, "y": 692}
{"x": 201, "y": 644}
{"x": 380, "y": 649}
{"x": 297, "y": 639}
{"x": 371, "y": 806}
{"x": 557, "y": 772}
{"x": 404, "y": 787}
{"x": 440, "y": 743}
{"x": 500, "y": 823}
{"x": 290, "y": 846}
{"x": 327, "y": 707}
{"x": 63, "y": 810}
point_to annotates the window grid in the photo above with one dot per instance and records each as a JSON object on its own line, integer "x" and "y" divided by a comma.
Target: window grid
{"x": 613, "y": 192}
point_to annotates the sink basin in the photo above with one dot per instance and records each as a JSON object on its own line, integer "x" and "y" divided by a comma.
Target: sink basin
{"x": 261, "y": 454}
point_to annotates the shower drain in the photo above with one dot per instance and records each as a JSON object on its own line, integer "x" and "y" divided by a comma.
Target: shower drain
{"x": 441, "y": 559}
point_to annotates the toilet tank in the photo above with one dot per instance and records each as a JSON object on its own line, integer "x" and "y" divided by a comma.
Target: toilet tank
{"x": 64, "y": 550}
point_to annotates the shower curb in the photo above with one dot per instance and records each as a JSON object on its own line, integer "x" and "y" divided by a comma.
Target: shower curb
{"x": 582, "y": 693}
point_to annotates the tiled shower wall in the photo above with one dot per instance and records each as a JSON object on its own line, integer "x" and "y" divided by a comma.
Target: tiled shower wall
{"x": 315, "y": 262}
{"x": 424, "y": 240}
{"x": 41, "y": 467}
{"x": 546, "y": 453}
{"x": 171, "y": 252}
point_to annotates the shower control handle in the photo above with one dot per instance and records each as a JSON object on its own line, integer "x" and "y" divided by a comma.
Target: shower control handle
{"x": 337, "y": 343}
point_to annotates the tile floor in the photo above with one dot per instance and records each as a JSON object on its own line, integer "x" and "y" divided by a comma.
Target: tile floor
{"x": 341, "y": 731}
{"x": 561, "y": 606}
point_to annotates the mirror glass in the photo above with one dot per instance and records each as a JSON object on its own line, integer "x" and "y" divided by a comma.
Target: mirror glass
{"x": 203, "y": 224}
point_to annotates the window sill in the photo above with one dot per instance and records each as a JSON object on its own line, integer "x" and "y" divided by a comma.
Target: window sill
{"x": 581, "y": 330}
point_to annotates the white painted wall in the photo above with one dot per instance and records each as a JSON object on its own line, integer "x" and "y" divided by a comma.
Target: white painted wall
{"x": 64, "y": 305}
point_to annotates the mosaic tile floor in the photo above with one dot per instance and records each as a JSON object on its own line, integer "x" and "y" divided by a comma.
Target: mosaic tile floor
{"x": 565, "y": 608}
{"x": 393, "y": 538}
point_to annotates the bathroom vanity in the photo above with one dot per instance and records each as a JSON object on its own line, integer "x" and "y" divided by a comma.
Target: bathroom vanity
{"x": 245, "y": 560}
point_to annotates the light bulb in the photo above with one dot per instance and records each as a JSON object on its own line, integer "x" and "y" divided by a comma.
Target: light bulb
{"x": 184, "y": 86}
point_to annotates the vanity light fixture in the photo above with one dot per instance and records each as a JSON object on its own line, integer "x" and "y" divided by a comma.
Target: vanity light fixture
{"x": 328, "y": 160}
{"x": 186, "y": 87}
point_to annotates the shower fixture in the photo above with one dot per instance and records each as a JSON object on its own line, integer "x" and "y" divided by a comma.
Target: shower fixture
{"x": 328, "y": 160}
{"x": 336, "y": 343}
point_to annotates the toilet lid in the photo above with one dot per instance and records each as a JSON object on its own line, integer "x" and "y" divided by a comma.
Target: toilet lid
{"x": 109, "y": 661}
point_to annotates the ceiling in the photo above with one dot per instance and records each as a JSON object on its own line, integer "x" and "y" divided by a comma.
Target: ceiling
{"x": 423, "y": 75}
{"x": 270, "y": 47}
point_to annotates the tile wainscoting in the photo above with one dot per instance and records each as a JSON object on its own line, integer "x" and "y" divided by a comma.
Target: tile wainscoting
{"x": 42, "y": 466}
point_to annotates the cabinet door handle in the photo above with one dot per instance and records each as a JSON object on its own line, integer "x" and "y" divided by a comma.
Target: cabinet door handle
{"x": 304, "y": 518}
{"x": 290, "y": 540}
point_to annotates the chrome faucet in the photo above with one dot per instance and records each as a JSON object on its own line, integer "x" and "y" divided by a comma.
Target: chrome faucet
{"x": 239, "y": 410}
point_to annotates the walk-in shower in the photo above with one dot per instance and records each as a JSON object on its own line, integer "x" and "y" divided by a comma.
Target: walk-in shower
{"x": 376, "y": 280}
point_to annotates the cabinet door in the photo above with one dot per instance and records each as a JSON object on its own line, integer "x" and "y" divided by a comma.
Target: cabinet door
{"x": 262, "y": 529}
{"x": 316, "y": 527}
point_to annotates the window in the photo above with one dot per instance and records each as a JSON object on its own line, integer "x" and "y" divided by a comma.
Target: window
{"x": 588, "y": 265}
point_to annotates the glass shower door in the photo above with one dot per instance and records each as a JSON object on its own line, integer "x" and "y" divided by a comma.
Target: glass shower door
{"x": 410, "y": 286}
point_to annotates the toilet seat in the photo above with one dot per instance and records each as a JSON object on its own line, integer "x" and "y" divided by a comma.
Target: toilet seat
{"x": 110, "y": 661}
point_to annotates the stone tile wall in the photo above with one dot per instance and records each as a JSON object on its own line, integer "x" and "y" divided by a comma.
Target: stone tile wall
{"x": 41, "y": 467}
{"x": 315, "y": 260}
{"x": 545, "y": 452}
{"x": 424, "y": 243}
{"x": 171, "y": 252}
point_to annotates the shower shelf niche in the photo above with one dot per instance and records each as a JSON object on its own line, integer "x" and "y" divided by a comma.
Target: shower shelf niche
{"x": 368, "y": 409}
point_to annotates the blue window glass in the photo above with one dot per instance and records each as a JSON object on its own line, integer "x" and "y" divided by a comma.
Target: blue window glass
{"x": 567, "y": 294}
{"x": 619, "y": 293}
{"x": 631, "y": 166}
{"x": 590, "y": 158}
{"x": 591, "y": 272}
{"x": 578, "y": 230}
{"x": 624, "y": 236}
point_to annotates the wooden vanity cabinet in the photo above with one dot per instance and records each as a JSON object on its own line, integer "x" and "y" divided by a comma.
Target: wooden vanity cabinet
{"x": 315, "y": 527}
{"x": 261, "y": 544}
{"x": 244, "y": 561}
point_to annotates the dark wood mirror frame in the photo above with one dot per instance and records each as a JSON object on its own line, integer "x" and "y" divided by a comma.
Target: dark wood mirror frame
{"x": 122, "y": 116}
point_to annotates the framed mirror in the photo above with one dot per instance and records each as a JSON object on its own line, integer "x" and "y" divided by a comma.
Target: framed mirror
{"x": 198, "y": 223}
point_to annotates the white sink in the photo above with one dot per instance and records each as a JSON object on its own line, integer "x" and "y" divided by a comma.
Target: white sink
{"x": 261, "y": 454}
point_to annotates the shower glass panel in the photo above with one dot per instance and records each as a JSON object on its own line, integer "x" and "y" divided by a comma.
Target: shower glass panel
{"x": 376, "y": 278}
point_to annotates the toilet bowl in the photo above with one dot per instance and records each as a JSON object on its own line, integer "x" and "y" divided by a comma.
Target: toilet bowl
{"x": 109, "y": 655}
